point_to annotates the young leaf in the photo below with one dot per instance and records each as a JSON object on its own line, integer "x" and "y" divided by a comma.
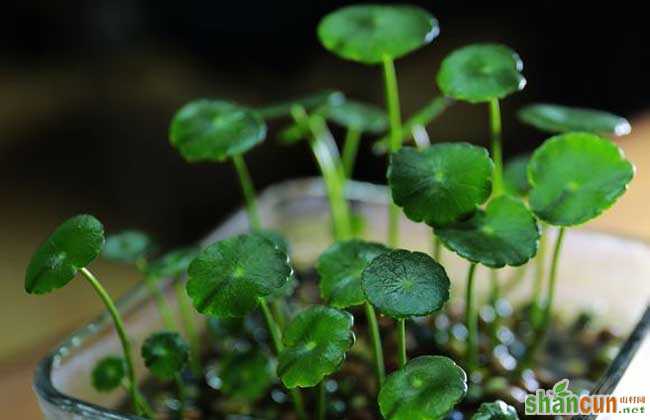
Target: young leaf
{"x": 575, "y": 177}
{"x": 505, "y": 233}
{"x": 73, "y": 245}
{"x": 481, "y": 73}
{"x": 560, "y": 119}
{"x": 428, "y": 387}
{"x": 340, "y": 268}
{"x": 108, "y": 374}
{"x": 358, "y": 116}
{"x": 246, "y": 375}
{"x": 402, "y": 284}
{"x": 315, "y": 345}
{"x": 214, "y": 130}
{"x": 442, "y": 183}
{"x": 515, "y": 176}
{"x": 172, "y": 264}
{"x": 497, "y": 410}
{"x": 229, "y": 276}
{"x": 165, "y": 354}
{"x": 370, "y": 33}
{"x": 127, "y": 246}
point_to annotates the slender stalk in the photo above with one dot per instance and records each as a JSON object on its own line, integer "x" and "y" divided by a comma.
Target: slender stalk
{"x": 141, "y": 406}
{"x": 276, "y": 337}
{"x": 350, "y": 149}
{"x": 161, "y": 304}
{"x": 277, "y": 306}
{"x": 248, "y": 189}
{"x": 321, "y": 408}
{"x": 401, "y": 342}
{"x": 538, "y": 284}
{"x": 546, "y": 319}
{"x": 495, "y": 130}
{"x": 495, "y": 289}
{"x": 187, "y": 317}
{"x": 437, "y": 248}
{"x": 471, "y": 321}
{"x": 377, "y": 351}
{"x": 182, "y": 392}
{"x": 395, "y": 118}
{"x": 324, "y": 150}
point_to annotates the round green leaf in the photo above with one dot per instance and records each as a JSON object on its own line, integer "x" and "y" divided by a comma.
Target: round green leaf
{"x": 340, "y": 268}
{"x": 275, "y": 238}
{"x": 427, "y": 387}
{"x": 165, "y": 354}
{"x": 214, "y": 130}
{"x": 108, "y": 374}
{"x": 173, "y": 263}
{"x": 127, "y": 246}
{"x": 442, "y": 183}
{"x": 480, "y": 73}
{"x": 402, "y": 284}
{"x": 576, "y": 176}
{"x": 560, "y": 119}
{"x": 358, "y": 116}
{"x": 505, "y": 233}
{"x": 315, "y": 345}
{"x": 73, "y": 245}
{"x": 370, "y": 33}
{"x": 229, "y": 276}
{"x": 497, "y": 410}
{"x": 246, "y": 375}
{"x": 515, "y": 176}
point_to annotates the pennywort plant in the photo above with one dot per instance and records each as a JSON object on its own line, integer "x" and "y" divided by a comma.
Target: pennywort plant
{"x": 277, "y": 334}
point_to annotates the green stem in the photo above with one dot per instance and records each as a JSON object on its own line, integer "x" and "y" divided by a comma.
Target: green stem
{"x": 495, "y": 290}
{"x": 540, "y": 261}
{"x": 249, "y": 191}
{"x": 161, "y": 304}
{"x": 395, "y": 118}
{"x": 276, "y": 337}
{"x": 437, "y": 248}
{"x": 187, "y": 317}
{"x": 324, "y": 149}
{"x": 377, "y": 351}
{"x": 141, "y": 407}
{"x": 182, "y": 392}
{"x": 322, "y": 401}
{"x": 277, "y": 306}
{"x": 401, "y": 341}
{"x": 495, "y": 130}
{"x": 551, "y": 281}
{"x": 350, "y": 149}
{"x": 471, "y": 321}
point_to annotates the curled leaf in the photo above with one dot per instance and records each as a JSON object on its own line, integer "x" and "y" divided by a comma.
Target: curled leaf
{"x": 316, "y": 342}
{"x": 165, "y": 354}
{"x": 73, "y": 245}
{"x": 108, "y": 374}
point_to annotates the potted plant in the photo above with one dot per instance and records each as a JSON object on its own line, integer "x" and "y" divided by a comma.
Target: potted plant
{"x": 365, "y": 328}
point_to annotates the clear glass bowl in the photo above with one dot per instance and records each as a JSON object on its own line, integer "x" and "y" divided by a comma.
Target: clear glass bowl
{"x": 606, "y": 273}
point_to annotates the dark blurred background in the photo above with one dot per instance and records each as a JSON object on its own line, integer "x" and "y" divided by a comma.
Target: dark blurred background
{"x": 87, "y": 90}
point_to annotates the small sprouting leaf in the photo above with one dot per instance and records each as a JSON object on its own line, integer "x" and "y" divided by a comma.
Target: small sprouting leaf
{"x": 576, "y": 176}
{"x": 340, "y": 268}
{"x": 497, "y": 410}
{"x": 213, "y": 130}
{"x": 229, "y": 276}
{"x": 560, "y": 119}
{"x": 165, "y": 354}
{"x": 246, "y": 375}
{"x": 442, "y": 183}
{"x": 73, "y": 245}
{"x": 358, "y": 116}
{"x": 173, "y": 263}
{"x": 402, "y": 284}
{"x": 427, "y": 387}
{"x": 480, "y": 73}
{"x": 127, "y": 246}
{"x": 315, "y": 345}
{"x": 515, "y": 176}
{"x": 108, "y": 374}
{"x": 505, "y": 233}
{"x": 370, "y": 33}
